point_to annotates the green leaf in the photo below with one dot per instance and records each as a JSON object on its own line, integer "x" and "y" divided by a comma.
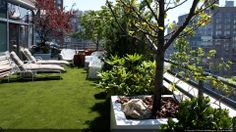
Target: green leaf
{"x": 161, "y": 28}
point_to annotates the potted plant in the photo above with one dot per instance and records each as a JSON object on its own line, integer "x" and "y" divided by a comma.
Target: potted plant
{"x": 128, "y": 78}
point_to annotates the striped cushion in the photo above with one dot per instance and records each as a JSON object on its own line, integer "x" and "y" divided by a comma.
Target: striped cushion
{"x": 29, "y": 55}
{"x": 17, "y": 60}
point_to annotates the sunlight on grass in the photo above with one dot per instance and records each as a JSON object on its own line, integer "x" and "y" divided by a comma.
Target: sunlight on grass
{"x": 57, "y": 104}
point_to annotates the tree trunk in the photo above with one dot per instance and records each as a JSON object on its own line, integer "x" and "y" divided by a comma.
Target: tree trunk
{"x": 97, "y": 45}
{"x": 159, "y": 59}
{"x": 158, "y": 82}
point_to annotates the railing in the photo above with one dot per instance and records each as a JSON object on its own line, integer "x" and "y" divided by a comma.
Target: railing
{"x": 79, "y": 45}
{"x": 200, "y": 86}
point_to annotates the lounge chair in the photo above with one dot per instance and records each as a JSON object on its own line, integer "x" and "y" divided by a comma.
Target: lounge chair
{"x": 6, "y": 67}
{"x": 32, "y": 59}
{"x": 33, "y": 69}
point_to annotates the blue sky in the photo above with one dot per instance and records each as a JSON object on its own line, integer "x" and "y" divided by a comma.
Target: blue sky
{"x": 96, "y": 4}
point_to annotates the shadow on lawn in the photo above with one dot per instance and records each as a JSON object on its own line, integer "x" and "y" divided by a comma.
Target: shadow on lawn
{"x": 11, "y": 80}
{"x": 103, "y": 121}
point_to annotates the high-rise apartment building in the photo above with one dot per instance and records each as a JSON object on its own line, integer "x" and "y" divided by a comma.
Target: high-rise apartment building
{"x": 220, "y": 35}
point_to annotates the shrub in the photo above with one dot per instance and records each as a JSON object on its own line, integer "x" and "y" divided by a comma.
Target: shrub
{"x": 193, "y": 115}
{"x": 130, "y": 75}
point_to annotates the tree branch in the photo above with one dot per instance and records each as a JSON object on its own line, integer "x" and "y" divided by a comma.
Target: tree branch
{"x": 124, "y": 31}
{"x": 181, "y": 28}
{"x": 170, "y": 8}
{"x": 150, "y": 8}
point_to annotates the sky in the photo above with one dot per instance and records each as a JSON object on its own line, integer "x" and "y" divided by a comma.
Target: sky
{"x": 96, "y": 4}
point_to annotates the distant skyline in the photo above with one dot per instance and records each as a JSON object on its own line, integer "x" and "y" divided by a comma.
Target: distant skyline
{"x": 84, "y": 5}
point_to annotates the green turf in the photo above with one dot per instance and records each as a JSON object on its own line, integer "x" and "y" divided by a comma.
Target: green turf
{"x": 70, "y": 103}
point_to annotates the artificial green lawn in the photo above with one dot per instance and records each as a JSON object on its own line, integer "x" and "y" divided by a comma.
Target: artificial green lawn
{"x": 70, "y": 103}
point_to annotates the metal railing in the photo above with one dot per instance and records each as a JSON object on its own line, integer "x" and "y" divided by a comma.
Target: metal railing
{"x": 200, "y": 85}
{"x": 79, "y": 45}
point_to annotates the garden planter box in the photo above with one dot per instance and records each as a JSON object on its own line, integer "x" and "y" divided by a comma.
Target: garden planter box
{"x": 118, "y": 119}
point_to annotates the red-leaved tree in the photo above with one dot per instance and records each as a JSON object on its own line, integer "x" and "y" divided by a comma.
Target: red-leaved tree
{"x": 50, "y": 21}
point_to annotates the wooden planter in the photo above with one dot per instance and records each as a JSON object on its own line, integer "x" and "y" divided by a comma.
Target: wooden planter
{"x": 118, "y": 119}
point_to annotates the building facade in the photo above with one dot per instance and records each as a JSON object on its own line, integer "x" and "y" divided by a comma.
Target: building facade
{"x": 59, "y": 4}
{"x": 16, "y": 27}
{"x": 219, "y": 34}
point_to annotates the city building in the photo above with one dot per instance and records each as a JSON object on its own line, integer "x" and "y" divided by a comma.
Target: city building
{"x": 15, "y": 24}
{"x": 59, "y": 4}
{"x": 219, "y": 34}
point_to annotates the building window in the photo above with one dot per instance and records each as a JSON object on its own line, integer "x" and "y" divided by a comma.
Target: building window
{"x": 227, "y": 33}
{"x": 24, "y": 36}
{"x": 218, "y": 27}
{"x": 3, "y": 8}
{"x": 226, "y": 46}
{"x": 227, "y": 27}
{"x": 218, "y": 20}
{"x": 218, "y": 33}
{"x": 228, "y": 15}
{"x": 3, "y": 37}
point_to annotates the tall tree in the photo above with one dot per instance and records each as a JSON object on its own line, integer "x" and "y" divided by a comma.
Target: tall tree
{"x": 100, "y": 27}
{"x": 92, "y": 27}
{"x": 150, "y": 19}
{"x": 49, "y": 20}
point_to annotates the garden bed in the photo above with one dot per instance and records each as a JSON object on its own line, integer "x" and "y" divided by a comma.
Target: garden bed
{"x": 120, "y": 121}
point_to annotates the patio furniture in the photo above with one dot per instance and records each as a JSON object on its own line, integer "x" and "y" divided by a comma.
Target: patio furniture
{"x": 32, "y": 59}
{"x": 6, "y": 67}
{"x": 67, "y": 54}
{"x": 95, "y": 55}
{"x": 30, "y": 70}
{"x": 95, "y": 66}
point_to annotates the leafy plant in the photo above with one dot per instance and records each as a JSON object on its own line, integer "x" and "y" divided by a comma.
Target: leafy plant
{"x": 193, "y": 115}
{"x": 192, "y": 64}
{"x": 149, "y": 17}
{"x": 130, "y": 75}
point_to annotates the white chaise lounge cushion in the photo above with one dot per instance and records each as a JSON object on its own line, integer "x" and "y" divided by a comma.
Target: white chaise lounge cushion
{"x": 17, "y": 60}
{"x": 36, "y": 67}
{"x": 28, "y": 55}
{"x": 60, "y": 62}
{"x": 42, "y": 68}
{"x": 33, "y": 60}
{"x": 4, "y": 68}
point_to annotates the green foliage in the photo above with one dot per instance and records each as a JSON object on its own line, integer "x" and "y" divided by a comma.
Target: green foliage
{"x": 92, "y": 26}
{"x": 128, "y": 76}
{"x": 193, "y": 115}
{"x": 116, "y": 42}
{"x": 190, "y": 64}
